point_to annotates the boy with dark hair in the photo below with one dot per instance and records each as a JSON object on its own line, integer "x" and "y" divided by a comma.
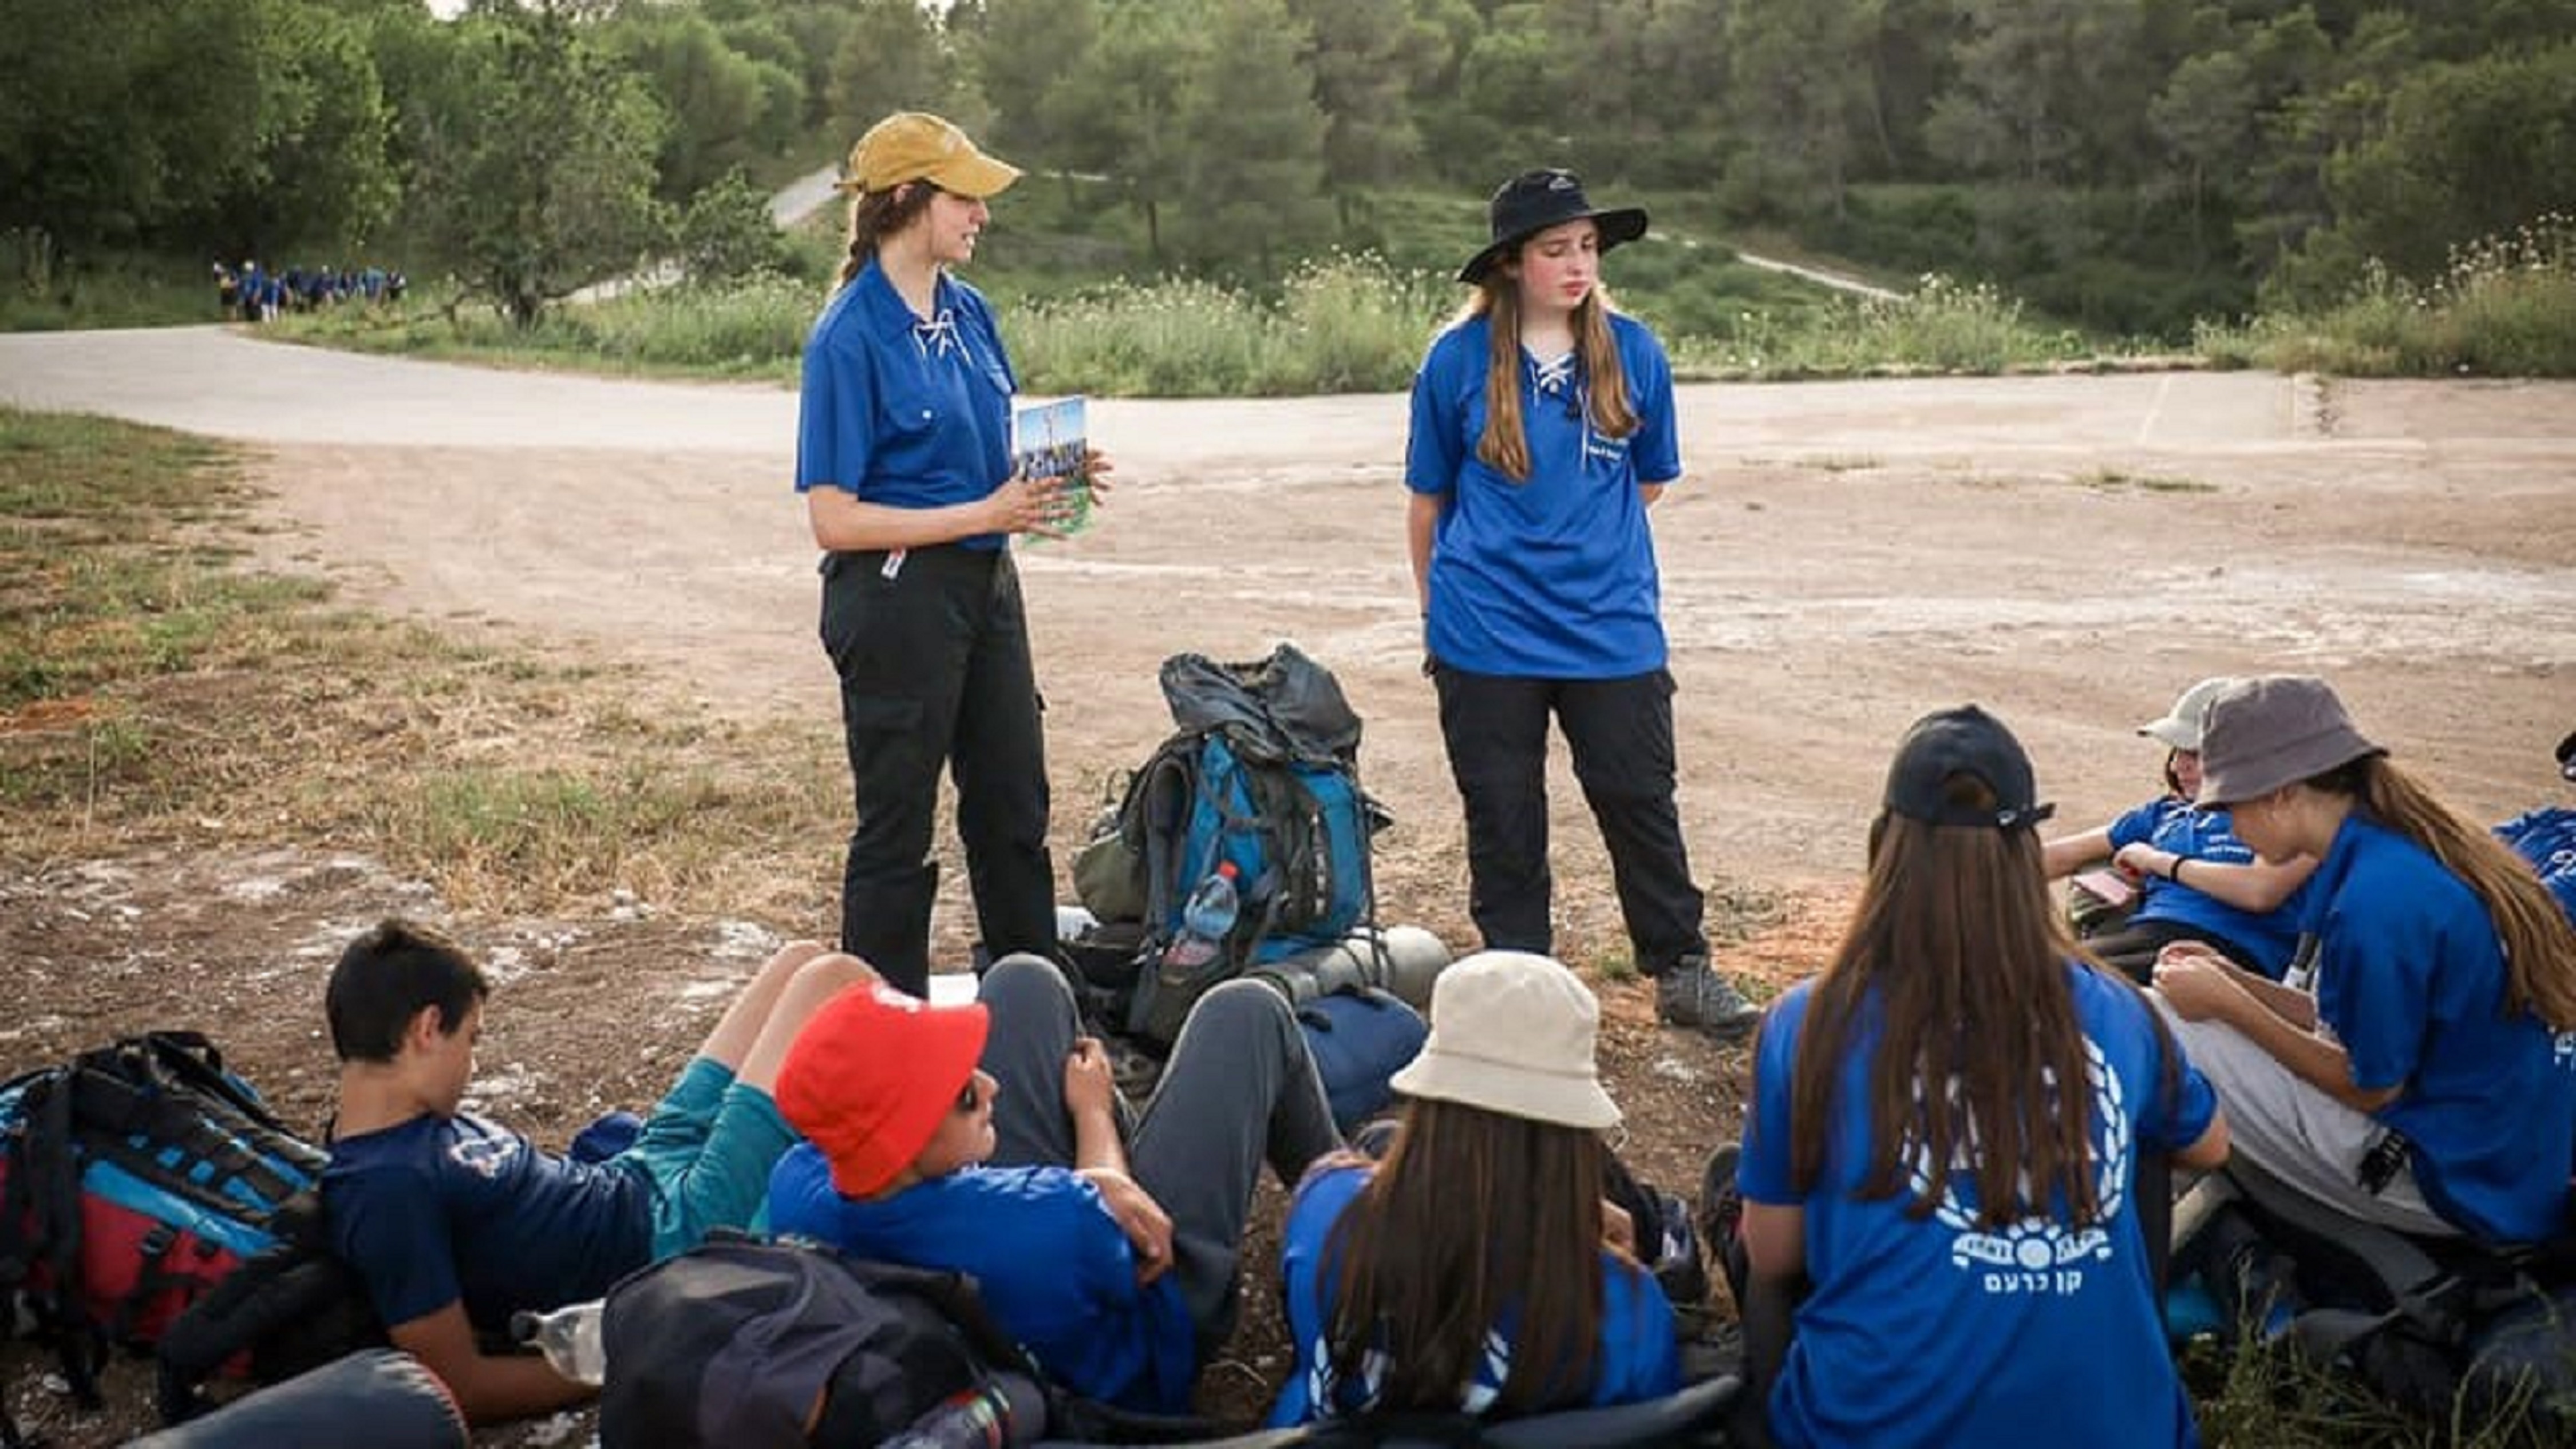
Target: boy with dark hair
{"x": 455, "y": 1223}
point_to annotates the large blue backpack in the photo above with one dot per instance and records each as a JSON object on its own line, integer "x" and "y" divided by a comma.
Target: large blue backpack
{"x": 1262, "y": 773}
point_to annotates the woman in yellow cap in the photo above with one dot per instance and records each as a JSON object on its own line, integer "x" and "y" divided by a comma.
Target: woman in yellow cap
{"x": 903, "y": 453}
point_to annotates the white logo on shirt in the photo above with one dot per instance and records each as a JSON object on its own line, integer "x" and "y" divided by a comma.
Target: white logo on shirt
{"x": 484, "y": 1155}
{"x": 2038, "y": 1254}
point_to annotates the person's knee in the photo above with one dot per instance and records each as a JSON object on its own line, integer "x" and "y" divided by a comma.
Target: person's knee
{"x": 822, "y": 974}
{"x": 1029, "y": 980}
{"x": 1239, "y": 1011}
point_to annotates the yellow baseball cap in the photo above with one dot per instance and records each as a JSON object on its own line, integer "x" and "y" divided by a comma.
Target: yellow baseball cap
{"x": 918, "y": 146}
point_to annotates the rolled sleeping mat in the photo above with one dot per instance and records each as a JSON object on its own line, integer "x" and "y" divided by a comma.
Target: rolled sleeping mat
{"x": 1401, "y": 959}
{"x": 376, "y": 1398}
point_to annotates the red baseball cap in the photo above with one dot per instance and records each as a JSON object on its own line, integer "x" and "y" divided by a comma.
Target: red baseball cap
{"x": 871, "y": 1075}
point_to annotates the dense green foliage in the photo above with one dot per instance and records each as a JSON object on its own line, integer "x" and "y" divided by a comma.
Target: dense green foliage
{"x": 2124, "y": 166}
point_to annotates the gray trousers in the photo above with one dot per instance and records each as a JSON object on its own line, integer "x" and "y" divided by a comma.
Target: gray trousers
{"x": 1239, "y": 1090}
{"x": 2286, "y": 1125}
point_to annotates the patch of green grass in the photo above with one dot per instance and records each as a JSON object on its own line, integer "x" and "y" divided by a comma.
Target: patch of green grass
{"x": 113, "y": 291}
{"x": 151, "y": 686}
{"x": 2505, "y": 307}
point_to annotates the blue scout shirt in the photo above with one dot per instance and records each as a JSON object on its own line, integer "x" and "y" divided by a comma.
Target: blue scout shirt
{"x": 1051, "y": 1263}
{"x": 2410, "y": 978}
{"x": 1552, "y": 578}
{"x": 2170, "y": 824}
{"x": 1927, "y": 1330}
{"x": 434, "y": 1209}
{"x": 2547, "y": 838}
{"x": 1637, "y": 1358}
{"x": 901, "y": 411}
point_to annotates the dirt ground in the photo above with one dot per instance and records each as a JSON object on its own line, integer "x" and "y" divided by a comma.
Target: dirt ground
{"x": 2069, "y": 551}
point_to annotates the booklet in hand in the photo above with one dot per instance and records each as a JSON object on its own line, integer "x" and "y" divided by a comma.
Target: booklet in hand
{"x": 1047, "y": 441}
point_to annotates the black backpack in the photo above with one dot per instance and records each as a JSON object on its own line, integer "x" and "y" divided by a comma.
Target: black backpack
{"x": 135, "y": 1180}
{"x": 2432, "y": 1325}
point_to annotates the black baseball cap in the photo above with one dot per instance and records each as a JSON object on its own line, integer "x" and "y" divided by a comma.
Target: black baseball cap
{"x": 1963, "y": 741}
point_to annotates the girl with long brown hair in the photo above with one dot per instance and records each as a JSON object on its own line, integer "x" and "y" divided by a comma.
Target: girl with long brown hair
{"x": 1945, "y": 1142}
{"x": 1542, "y": 430}
{"x": 2417, "y": 1066}
{"x": 1477, "y": 1267}
{"x": 903, "y": 453}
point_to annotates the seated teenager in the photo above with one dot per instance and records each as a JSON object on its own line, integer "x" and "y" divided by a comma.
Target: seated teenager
{"x": 1111, "y": 1259}
{"x": 2197, "y": 881}
{"x": 1969, "y": 1232}
{"x": 2547, "y": 838}
{"x": 2417, "y": 1067}
{"x": 455, "y": 1222}
{"x": 1476, "y": 1267}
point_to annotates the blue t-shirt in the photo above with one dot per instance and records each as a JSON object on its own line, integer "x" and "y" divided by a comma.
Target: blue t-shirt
{"x": 1552, "y": 577}
{"x": 2170, "y": 824}
{"x": 1637, "y": 1358}
{"x": 439, "y": 1208}
{"x": 2410, "y": 978}
{"x": 1053, "y": 1267}
{"x": 901, "y": 411}
{"x": 2547, "y": 838}
{"x": 1927, "y": 1330}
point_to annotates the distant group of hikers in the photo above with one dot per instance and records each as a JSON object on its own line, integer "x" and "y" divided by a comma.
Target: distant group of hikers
{"x": 1934, "y": 1212}
{"x": 251, "y": 293}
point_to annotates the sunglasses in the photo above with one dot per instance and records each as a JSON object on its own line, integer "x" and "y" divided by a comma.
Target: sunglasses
{"x": 970, "y": 1096}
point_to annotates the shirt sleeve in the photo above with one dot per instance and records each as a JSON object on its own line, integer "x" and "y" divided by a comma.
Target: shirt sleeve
{"x": 1432, "y": 447}
{"x": 836, "y": 414}
{"x": 1657, "y": 444}
{"x": 1763, "y": 1174}
{"x": 2137, "y": 825}
{"x": 387, "y": 1224}
{"x": 1652, "y": 1365}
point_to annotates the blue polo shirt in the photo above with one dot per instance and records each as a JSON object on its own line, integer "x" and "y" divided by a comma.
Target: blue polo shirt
{"x": 899, "y": 410}
{"x": 2272, "y": 937}
{"x": 1552, "y": 577}
{"x": 1924, "y": 1329}
{"x": 2411, "y": 979}
{"x": 2547, "y": 838}
{"x": 1050, "y": 1261}
{"x": 1635, "y": 1359}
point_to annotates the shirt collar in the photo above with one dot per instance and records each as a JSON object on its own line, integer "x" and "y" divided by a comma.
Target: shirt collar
{"x": 889, "y": 316}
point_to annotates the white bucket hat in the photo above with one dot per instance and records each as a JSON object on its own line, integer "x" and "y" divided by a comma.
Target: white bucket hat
{"x": 2180, "y": 728}
{"x": 1513, "y": 1032}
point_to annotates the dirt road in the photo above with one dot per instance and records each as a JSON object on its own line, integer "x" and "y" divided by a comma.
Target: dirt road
{"x": 2068, "y": 550}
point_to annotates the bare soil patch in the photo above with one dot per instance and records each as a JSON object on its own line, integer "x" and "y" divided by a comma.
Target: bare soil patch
{"x": 1842, "y": 557}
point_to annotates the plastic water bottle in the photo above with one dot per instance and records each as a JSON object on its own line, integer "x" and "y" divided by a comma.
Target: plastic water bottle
{"x": 1006, "y": 1411}
{"x": 1207, "y": 918}
{"x": 569, "y": 1338}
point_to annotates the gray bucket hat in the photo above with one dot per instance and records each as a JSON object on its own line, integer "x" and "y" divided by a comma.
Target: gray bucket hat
{"x": 2261, "y": 734}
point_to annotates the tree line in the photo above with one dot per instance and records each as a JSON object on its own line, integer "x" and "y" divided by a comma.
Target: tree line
{"x": 2126, "y": 162}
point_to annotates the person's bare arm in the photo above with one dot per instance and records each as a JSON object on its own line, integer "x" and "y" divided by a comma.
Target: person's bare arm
{"x": 1775, "y": 1252}
{"x": 2202, "y": 989}
{"x": 2256, "y": 886}
{"x": 2068, "y": 854}
{"x": 2294, "y": 1006}
{"x": 1421, "y": 526}
{"x": 2208, "y": 1151}
{"x": 1090, "y": 1099}
{"x": 843, "y": 522}
{"x": 488, "y": 1388}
